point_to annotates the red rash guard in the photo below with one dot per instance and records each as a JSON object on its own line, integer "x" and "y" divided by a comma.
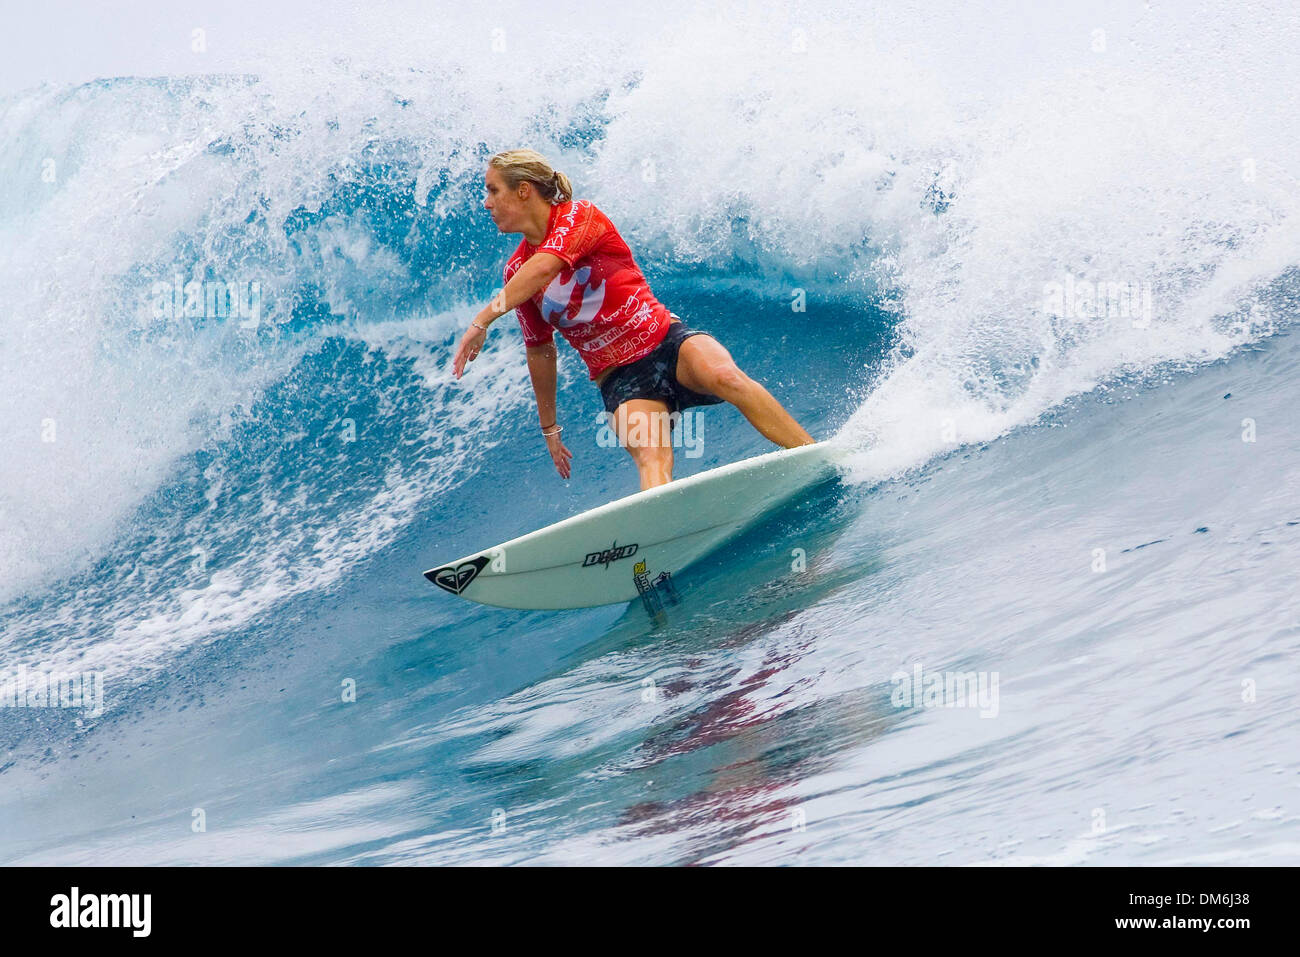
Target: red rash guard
{"x": 600, "y": 301}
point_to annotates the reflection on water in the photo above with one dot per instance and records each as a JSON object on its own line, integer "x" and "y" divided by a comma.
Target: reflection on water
{"x": 693, "y": 724}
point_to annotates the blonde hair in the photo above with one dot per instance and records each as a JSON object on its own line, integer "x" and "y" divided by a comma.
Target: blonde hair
{"x": 530, "y": 166}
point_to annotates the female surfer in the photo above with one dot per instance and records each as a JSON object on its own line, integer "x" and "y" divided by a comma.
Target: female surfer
{"x": 573, "y": 272}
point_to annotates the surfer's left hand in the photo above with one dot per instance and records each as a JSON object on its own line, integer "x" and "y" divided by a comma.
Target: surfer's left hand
{"x": 468, "y": 348}
{"x": 560, "y": 455}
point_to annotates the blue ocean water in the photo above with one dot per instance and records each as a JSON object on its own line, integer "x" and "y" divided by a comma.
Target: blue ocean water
{"x": 1095, "y": 511}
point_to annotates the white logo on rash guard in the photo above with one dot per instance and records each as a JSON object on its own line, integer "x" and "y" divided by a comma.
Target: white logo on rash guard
{"x": 556, "y": 299}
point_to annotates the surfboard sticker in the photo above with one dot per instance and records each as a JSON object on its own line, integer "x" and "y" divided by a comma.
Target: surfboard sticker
{"x": 612, "y": 554}
{"x": 657, "y": 593}
{"x": 456, "y": 578}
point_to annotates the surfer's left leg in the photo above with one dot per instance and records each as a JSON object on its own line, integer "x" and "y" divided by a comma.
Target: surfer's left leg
{"x": 704, "y": 365}
{"x": 643, "y": 427}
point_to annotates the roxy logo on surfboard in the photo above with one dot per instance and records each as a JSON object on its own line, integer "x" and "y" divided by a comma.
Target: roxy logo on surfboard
{"x": 611, "y": 554}
{"x": 456, "y": 578}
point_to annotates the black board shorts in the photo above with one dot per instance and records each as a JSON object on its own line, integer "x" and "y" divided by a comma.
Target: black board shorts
{"x": 654, "y": 376}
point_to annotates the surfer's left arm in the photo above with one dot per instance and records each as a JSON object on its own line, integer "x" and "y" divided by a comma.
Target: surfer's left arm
{"x": 530, "y": 279}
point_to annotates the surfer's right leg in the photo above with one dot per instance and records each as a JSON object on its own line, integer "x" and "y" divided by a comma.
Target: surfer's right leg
{"x": 705, "y": 366}
{"x": 643, "y": 427}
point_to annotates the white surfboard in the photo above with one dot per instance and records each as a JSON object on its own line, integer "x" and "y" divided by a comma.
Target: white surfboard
{"x": 634, "y": 545}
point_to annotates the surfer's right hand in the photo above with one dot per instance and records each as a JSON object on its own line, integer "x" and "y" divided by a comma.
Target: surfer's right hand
{"x": 559, "y": 454}
{"x": 467, "y": 349}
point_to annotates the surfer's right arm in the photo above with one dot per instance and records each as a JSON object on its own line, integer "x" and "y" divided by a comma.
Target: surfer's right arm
{"x": 542, "y": 370}
{"x": 529, "y": 279}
